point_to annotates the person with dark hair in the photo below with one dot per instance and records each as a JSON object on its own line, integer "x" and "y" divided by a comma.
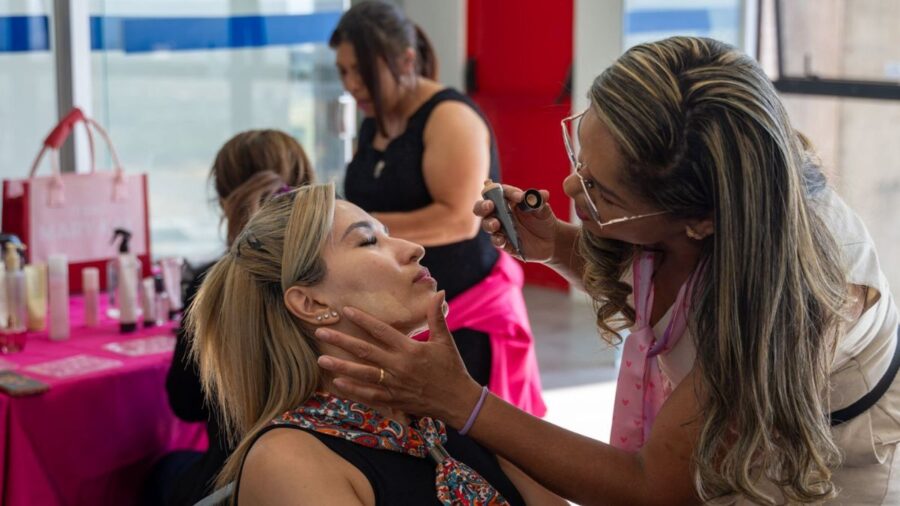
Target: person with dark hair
{"x": 423, "y": 153}
{"x": 761, "y": 357}
{"x": 248, "y": 170}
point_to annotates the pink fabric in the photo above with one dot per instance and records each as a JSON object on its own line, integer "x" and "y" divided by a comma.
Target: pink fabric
{"x": 496, "y": 307}
{"x": 90, "y": 439}
{"x": 642, "y": 388}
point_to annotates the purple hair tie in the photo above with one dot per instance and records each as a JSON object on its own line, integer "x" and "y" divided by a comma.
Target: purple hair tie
{"x": 284, "y": 189}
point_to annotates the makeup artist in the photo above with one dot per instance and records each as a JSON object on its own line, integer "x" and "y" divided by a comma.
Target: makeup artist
{"x": 422, "y": 156}
{"x": 761, "y": 357}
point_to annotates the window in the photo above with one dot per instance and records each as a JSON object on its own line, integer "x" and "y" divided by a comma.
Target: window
{"x": 838, "y": 48}
{"x": 170, "y": 96}
{"x": 839, "y": 78}
{"x": 27, "y": 83}
{"x": 649, "y": 20}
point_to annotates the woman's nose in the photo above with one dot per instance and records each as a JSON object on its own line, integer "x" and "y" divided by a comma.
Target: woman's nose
{"x": 572, "y": 186}
{"x": 414, "y": 252}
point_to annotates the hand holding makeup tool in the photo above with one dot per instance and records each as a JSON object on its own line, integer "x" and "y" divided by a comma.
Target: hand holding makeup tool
{"x": 494, "y": 192}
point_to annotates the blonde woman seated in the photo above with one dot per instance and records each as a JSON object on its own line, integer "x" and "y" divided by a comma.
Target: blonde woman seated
{"x": 299, "y": 261}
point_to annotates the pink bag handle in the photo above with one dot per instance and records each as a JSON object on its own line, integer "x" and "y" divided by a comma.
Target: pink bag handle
{"x": 61, "y": 132}
{"x": 58, "y": 136}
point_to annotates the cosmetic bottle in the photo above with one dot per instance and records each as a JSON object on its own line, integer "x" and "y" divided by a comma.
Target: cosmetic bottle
{"x": 162, "y": 300}
{"x": 127, "y": 293}
{"x": 148, "y": 301}
{"x": 171, "y": 272}
{"x": 113, "y": 274}
{"x": 13, "y": 335}
{"x": 90, "y": 284}
{"x": 58, "y": 276}
{"x": 36, "y": 291}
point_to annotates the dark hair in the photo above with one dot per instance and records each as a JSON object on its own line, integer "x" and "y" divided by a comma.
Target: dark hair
{"x": 251, "y": 167}
{"x": 381, "y": 30}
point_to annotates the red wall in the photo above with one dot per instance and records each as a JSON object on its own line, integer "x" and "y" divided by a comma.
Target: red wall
{"x": 522, "y": 51}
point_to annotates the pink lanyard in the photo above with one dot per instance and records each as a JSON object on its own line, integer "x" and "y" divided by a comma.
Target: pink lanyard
{"x": 642, "y": 389}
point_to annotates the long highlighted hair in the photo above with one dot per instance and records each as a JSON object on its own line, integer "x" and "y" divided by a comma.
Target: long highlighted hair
{"x": 256, "y": 359}
{"x": 703, "y": 134}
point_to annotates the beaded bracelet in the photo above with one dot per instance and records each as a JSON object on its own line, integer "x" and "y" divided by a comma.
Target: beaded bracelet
{"x": 475, "y": 411}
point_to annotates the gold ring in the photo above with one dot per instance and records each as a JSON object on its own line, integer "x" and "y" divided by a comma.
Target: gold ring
{"x": 380, "y": 375}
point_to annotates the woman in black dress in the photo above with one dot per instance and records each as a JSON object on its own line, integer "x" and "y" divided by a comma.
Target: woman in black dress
{"x": 423, "y": 153}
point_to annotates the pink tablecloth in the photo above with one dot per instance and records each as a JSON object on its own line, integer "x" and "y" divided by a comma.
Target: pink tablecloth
{"x": 90, "y": 439}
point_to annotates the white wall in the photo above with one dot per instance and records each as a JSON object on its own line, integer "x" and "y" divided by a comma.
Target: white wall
{"x": 445, "y": 23}
{"x": 598, "y": 42}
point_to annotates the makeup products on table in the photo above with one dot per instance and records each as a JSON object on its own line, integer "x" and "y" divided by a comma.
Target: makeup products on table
{"x": 148, "y": 301}
{"x": 494, "y": 192}
{"x": 162, "y": 300}
{"x": 113, "y": 273}
{"x": 12, "y": 338}
{"x": 36, "y": 293}
{"x": 127, "y": 292}
{"x": 171, "y": 273}
{"x": 58, "y": 277}
{"x": 90, "y": 284}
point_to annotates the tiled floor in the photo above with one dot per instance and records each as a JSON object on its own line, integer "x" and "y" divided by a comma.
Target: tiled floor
{"x": 577, "y": 367}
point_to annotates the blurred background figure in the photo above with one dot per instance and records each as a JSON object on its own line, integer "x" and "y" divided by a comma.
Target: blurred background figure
{"x": 423, "y": 153}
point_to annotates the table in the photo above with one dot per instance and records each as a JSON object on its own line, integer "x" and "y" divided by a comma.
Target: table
{"x": 92, "y": 438}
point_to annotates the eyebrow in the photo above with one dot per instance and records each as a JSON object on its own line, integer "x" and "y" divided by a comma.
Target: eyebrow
{"x": 362, "y": 224}
{"x": 354, "y": 226}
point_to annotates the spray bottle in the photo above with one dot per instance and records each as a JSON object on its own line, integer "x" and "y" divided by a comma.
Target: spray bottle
{"x": 112, "y": 270}
{"x": 123, "y": 275}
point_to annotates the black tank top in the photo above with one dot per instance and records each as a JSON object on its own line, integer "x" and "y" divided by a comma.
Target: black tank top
{"x": 401, "y": 479}
{"x": 400, "y": 186}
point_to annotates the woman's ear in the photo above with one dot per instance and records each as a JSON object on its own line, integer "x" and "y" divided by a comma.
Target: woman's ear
{"x": 700, "y": 229}
{"x": 302, "y": 304}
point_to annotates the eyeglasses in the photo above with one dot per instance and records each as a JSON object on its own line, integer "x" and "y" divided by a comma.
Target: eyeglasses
{"x": 567, "y": 125}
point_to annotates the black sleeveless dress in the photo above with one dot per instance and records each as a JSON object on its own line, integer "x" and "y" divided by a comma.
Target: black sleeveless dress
{"x": 400, "y": 479}
{"x": 393, "y": 181}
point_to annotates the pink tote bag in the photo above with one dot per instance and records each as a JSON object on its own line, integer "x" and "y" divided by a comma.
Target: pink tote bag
{"x": 75, "y": 214}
